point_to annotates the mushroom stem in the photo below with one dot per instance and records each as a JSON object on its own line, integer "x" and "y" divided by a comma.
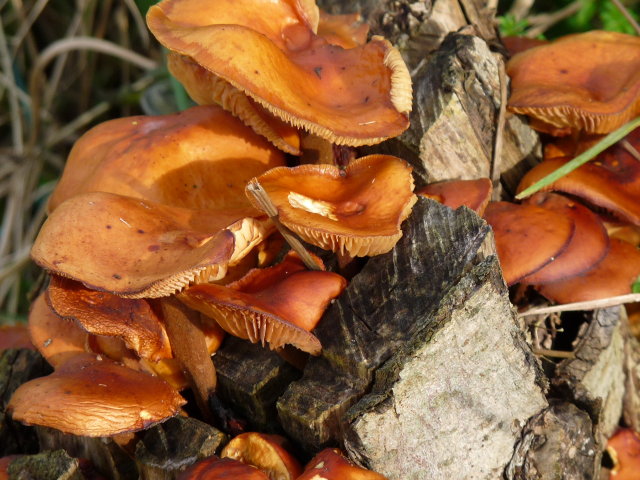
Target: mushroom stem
{"x": 190, "y": 349}
{"x": 262, "y": 197}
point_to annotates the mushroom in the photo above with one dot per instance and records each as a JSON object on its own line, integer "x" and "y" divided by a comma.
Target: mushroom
{"x": 527, "y": 237}
{"x": 200, "y": 158}
{"x": 330, "y": 464}
{"x": 265, "y": 452}
{"x": 91, "y": 396}
{"x": 587, "y": 82}
{"x": 141, "y": 249}
{"x": 214, "y": 468}
{"x": 611, "y": 277}
{"x": 624, "y": 449}
{"x": 346, "y": 31}
{"x": 271, "y": 52}
{"x": 15, "y": 336}
{"x": 474, "y": 194}
{"x": 356, "y": 211}
{"x": 588, "y": 245}
{"x": 277, "y": 305}
{"x": 610, "y": 181}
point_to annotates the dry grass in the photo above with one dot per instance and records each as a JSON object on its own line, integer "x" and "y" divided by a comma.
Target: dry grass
{"x": 64, "y": 66}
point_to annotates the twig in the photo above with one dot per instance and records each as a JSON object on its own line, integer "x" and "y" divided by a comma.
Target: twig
{"x": 14, "y": 104}
{"x": 497, "y": 144}
{"x": 623, "y": 10}
{"x": 588, "y": 305}
{"x": 520, "y": 8}
{"x": 541, "y": 23}
{"x": 262, "y": 197}
{"x": 553, "y": 353}
{"x": 139, "y": 21}
{"x": 25, "y": 26}
{"x": 630, "y": 148}
{"x": 583, "y": 158}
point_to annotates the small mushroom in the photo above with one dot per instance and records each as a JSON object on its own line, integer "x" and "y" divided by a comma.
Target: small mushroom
{"x": 15, "y": 336}
{"x": 624, "y": 449}
{"x": 611, "y": 277}
{"x": 474, "y": 194}
{"x": 346, "y": 31}
{"x": 356, "y": 211}
{"x": 265, "y": 452}
{"x": 330, "y": 464}
{"x": 277, "y": 305}
{"x": 587, "y": 82}
{"x": 588, "y": 245}
{"x": 214, "y": 468}
{"x": 527, "y": 237}
{"x": 91, "y": 396}
{"x": 271, "y": 52}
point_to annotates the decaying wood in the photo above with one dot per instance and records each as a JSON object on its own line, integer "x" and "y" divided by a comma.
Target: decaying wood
{"x": 54, "y": 465}
{"x": 16, "y": 368}
{"x": 169, "y": 448}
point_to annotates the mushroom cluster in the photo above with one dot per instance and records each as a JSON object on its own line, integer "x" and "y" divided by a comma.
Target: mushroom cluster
{"x": 155, "y": 244}
{"x": 579, "y": 242}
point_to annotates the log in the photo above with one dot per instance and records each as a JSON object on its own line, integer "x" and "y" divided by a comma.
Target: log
{"x": 52, "y": 465}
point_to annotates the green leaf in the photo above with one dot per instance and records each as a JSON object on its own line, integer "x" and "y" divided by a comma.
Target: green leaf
{"x": 511, "y": 27}
{"x": 144, "y": 5}
{"x": 613, "y": 20}
{"x": 635, "y": 286}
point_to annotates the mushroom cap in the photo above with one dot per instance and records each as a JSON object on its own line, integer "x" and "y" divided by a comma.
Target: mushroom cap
{"x": 610, "y": 181}
{"x": 588, "y": 245}
{"x": 15, "y": 336}
{"x": 277, "y": 305}
{"x": 613, "y": 276}
{"x": 330, "y": 464}
{"x": 200, "y": 158}
{"x": 527, "y": 237}
{"x": 92, "y": 396}
{"x": 357, "y": 210}
{"x": 102, "y": 313}
{"x": 515, "y": 45}
{"x": 265, "y": 452}
{"x": 474, "y": 194}
{"x": 214, "y": 468}
{"x": 269, "y": 50}
{"x": 56, "y": 338}
{"x": 346, "y": 30}
{"x": 588, "y": 81}
{"x": 624, "y": 449}
{"x": 137, "y": 248}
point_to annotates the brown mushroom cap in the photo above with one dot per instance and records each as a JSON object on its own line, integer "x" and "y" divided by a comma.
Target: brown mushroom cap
{"x": 624, "y": 449}
{"x": 515, "y": 45}
{"x": 57, "y": 339}
{"x": 94, "y": 397}
{"x": 588, "y": 246}
{"x": 214, "y": 468}
{"x": 102, "y": 313}
{"x": 357, "y": 210}
{"x": 15, "y": 336}
{"x": 474, "y": 194}
{"x": 527, "y": 237}
{"x": 269, "y": 50}
{"x": 265, "y": 452}
{"x": 330, "y": 464}
{"x": 611, "y": 181}
{"x": 200, "y": 158}
{"x": 613, "y": 276}
{"x": 277, "y": 305}
{"x": 588, "y": 82}
{"x": 137, "y": 248}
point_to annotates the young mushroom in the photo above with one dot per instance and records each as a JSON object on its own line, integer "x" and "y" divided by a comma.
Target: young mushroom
{"x": 474, "y": 194}
{"x": 624, "y": 449}
{"x": 214, "y": 468}
{"x": 330, "y": 464}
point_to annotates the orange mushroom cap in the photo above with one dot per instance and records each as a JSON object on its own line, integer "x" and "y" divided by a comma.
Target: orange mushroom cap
{"x": 624, "y": 449}
{"x": 588, "y": 82}
{"x": 200, "y": 158}
{"x": 277, "y": 305}
{"x": 214, "y": 468}
{"x": 613, "y": 276}
{"x": 265, "y": 452}
{"x": 610, "y": 181}
{"x": 515, "y": 45}
{"x": 346, "y": 31}
{"x": 527, "y": 237}
{"x": 138, "y": 249}
{"x": 15, "y": 336}
{"x": 56, "y": 338}
{"x": 474, "y": 194}
{"x": 102, "y": 313}
{"x": 357, "y": 210}
{"x": 588, "y": 245}
{"x": 270, "y": 51}
{"x": 92, "y": 396}
{"x": 330, "y": 464}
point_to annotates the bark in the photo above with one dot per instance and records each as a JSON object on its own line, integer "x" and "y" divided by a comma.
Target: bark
{"x": 55, "y": 465}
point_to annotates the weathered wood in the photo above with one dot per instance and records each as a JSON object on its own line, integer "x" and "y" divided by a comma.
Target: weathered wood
{"x": 393, "y": 300}
{"x": 53, "y": 465}
{"x": 16, "y": 368}
{"x": 105, "y": 455}
{"x": 250, "y": 380}
{"x": 456, "y": 395}
{"x": 169, "y": 448}
{"x": 557, "y": 444}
